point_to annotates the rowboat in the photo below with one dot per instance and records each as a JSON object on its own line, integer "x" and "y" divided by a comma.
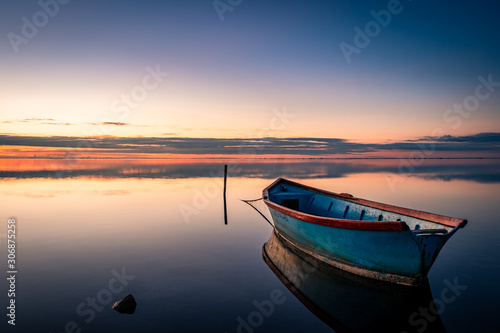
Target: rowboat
{"x": 363, "y": 237}
{"x": 346, "y": 302}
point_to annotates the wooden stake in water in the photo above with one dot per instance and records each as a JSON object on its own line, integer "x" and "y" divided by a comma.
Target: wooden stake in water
{"x": 225, "y": 182}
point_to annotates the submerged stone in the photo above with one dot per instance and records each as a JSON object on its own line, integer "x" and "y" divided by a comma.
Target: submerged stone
{"x": 126, "y": 305}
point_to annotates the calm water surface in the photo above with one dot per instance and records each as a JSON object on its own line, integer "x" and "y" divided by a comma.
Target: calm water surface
{"x": 94, "y": 231}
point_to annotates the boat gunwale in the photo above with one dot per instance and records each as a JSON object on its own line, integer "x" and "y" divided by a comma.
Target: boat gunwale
{"x": 357, "y": 224}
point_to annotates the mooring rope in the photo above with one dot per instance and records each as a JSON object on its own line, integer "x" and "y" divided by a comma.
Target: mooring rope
{"x": 258, "y": 211}
{"x": 253, "y": 200}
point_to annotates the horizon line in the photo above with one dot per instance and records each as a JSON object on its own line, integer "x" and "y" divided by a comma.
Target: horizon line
{"x": 242, "y": 158}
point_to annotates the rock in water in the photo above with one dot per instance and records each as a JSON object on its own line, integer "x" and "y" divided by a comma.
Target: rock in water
{"x": 126, "y": 305}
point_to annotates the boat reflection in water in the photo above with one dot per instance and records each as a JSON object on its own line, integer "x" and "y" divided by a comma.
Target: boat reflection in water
{"x": 347, "y": 302}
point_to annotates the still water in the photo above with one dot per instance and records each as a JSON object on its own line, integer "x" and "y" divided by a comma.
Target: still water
{"x": 94, "y": 231}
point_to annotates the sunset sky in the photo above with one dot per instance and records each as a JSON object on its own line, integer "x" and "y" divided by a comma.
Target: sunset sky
{"x": 245, "y": 78}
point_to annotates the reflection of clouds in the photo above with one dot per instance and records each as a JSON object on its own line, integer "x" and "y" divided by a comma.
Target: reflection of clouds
{"x": 53, "y": 194}
{"x": 482, "y": 171}
{"x": 474, "y": 176}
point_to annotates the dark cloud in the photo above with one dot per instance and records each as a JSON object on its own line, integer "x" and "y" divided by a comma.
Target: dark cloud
{"x": 109, "y": 123}
{"x": 50, "y": 121}
{"x": 41, "y": 121}
{"x": 476, "y": 142}
{"x": 480, "y": 138}
{"x": 58, "y": 124}
{"x": 484, "y": 142}
{"x": 28, "y": 120}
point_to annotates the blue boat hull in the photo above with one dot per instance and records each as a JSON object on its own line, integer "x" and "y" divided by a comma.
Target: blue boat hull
{"x": 393, "y": 253}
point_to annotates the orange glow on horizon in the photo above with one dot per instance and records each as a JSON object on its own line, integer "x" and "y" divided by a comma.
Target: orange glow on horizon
{"x": 92, "y": 153}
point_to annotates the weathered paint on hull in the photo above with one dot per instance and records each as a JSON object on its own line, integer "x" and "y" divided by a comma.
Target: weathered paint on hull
{"x": 385, "y": 255}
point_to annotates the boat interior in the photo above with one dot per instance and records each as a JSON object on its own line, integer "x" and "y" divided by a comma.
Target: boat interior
{"x": 319, "y": 204}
